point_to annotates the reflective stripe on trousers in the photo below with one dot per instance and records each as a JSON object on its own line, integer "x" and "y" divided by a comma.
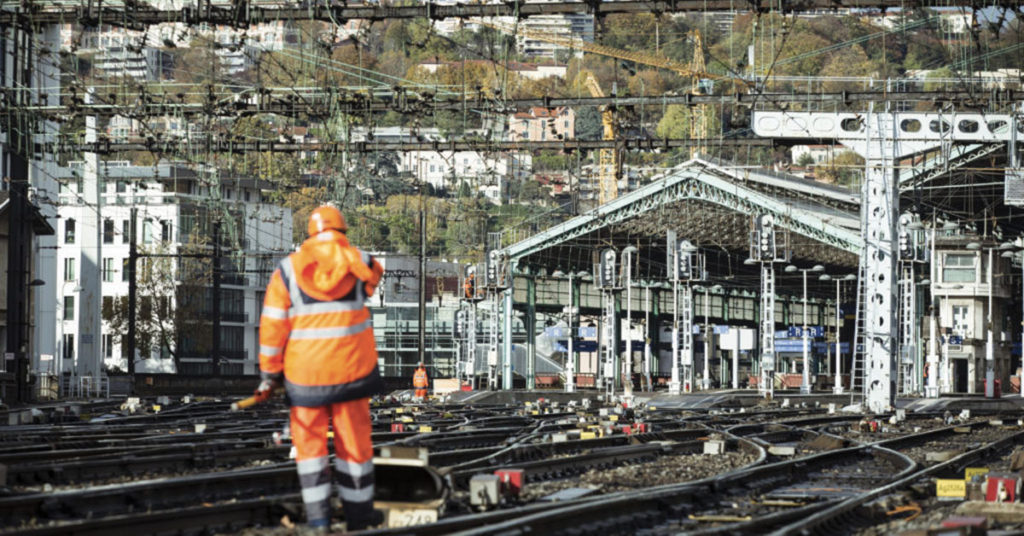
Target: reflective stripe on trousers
{"x": 315, "y": 479}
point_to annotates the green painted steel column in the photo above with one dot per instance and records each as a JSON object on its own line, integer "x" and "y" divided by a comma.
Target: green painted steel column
{"x": 574, "y": 301}
{"x": 617, "y": 338}
{"x": 654, "y": 330}
{"x": 506, "y": 339}
{"x": 530, "y": 323}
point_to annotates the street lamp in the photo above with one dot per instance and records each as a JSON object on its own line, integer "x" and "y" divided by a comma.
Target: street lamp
{"x": 706, "y": 382}
{"x": 838, "y": 388}
{"x": 805, "y": 384}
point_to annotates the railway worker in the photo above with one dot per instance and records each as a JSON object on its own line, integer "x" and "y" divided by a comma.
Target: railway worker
{"x": 316, "y": 339}
{"x": 420, "y": 382}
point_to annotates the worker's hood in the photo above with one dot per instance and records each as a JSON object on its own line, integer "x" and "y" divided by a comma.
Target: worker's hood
{"x": 328, "y": 267}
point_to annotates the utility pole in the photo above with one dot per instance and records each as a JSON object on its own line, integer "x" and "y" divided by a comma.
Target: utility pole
{"x": 215, "y": 343}
{"x": 423, "y": 281}
{"x": 133, "y": 287}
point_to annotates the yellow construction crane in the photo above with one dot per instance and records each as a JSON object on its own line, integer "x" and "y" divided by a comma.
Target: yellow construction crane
{"x": 699, "y": 113}
{"x": 608, "y": 158}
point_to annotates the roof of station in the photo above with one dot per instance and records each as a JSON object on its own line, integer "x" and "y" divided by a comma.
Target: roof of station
{"x": 710, "y": 203}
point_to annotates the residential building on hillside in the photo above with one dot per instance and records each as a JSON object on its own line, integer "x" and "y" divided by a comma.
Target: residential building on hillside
{"x": 174, "y": 214}
{"x": 489, "y": 173}
{"x": 820, "y": 154}
{"x": 541, "y": 124}
{"x": 530, "y": 71}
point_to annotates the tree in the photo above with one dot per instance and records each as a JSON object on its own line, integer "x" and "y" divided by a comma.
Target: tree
{"x": 846, "y": 169}
{"x": 588, "y": 123}
{"x": 171, "y": 306}
{"x": 805, "y": 160}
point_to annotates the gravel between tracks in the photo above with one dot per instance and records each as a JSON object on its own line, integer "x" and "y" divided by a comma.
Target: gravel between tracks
{"x": 663, "y": 470}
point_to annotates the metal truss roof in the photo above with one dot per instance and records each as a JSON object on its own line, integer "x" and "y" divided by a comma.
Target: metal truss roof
{"x": 810, "y": 210}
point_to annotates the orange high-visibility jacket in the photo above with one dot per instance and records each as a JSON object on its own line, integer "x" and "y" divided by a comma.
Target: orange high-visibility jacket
{"x": 315, "y": 332}
{"x": 419, "y": 379}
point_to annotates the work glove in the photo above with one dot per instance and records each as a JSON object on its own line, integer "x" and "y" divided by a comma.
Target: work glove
{"x": 267, "y": 386}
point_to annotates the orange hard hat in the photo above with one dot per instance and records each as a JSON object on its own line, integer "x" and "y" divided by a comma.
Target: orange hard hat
{"x": 326, "y": 217}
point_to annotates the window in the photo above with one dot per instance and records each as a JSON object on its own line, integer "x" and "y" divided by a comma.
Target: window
{"x": 69, "y": 346}
{"x": 108, "y": 346}
{"x": 433, "y": 168}
{"x": 247, "y": 196}
{"x": 69, "y": 269}
{"x": 69, "y": 307}
{"x": 146, "y": 307}
{"x": 108, "y": 306}
{"x": 69, "y": 231}
{"x": 163, "y": 304}
{"x": 108, "y": 231}
{"x": 147, "y": 231}
{"x": 122, "y": 187}
{"x": 108, "y": 270}
{"x": 125, "y": 272}
{"x": 962, "y": 321}
{"x": 126, "y": 230}
{"x": 565, "y": 124}
{"x": 165, "y": 231}
{"x": 958, "y": 269}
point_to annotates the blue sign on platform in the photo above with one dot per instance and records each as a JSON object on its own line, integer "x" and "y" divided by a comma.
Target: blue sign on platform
{"x": 788, "y": 345}
{"x": 587, "y": 332}
{"x": 721, "y": 330}
{"x": 812, "y": 331}
{"x": 825, "y": 347}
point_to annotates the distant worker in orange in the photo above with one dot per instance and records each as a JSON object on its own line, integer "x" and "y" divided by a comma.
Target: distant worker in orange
{"x": 316, "y": 339}
{"x": 420, "y": 382}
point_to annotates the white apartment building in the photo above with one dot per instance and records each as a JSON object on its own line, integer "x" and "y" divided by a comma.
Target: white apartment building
{"x": 172, "y": 207}
{"x": 820, "y": 154}
{"x": 488, "y": 173}
{"x": 541, "y": 124}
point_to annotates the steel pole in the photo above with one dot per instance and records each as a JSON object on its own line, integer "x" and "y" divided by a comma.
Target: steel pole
{"x": 707, "y": 339}
{"x": 673, "y": 387}
{"x": 838, "y": 389}
{"x": 805, "y": 386}
{"x": 990, "y": 359}
{"x": 570, "y": 376}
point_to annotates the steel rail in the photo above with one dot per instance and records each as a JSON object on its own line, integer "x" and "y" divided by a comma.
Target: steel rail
{"x": 630, "y": 511}
{"x": 825, "y": 521}
{"x": 206, "y": 519}
{"x": 153, "y": 495}
{"x": 134, "y": 465}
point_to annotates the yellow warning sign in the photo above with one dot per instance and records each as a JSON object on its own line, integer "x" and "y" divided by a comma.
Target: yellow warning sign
{"x": 426, "y": 428}
{"x": 972, "y": 472}
{"x": 950, "y": 488}
{"x": 587, "y": 435}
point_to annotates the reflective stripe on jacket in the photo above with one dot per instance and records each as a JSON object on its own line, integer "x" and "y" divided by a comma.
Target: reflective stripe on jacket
{"x": 419, "y": 379}
{"x": 322, "y": 345}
